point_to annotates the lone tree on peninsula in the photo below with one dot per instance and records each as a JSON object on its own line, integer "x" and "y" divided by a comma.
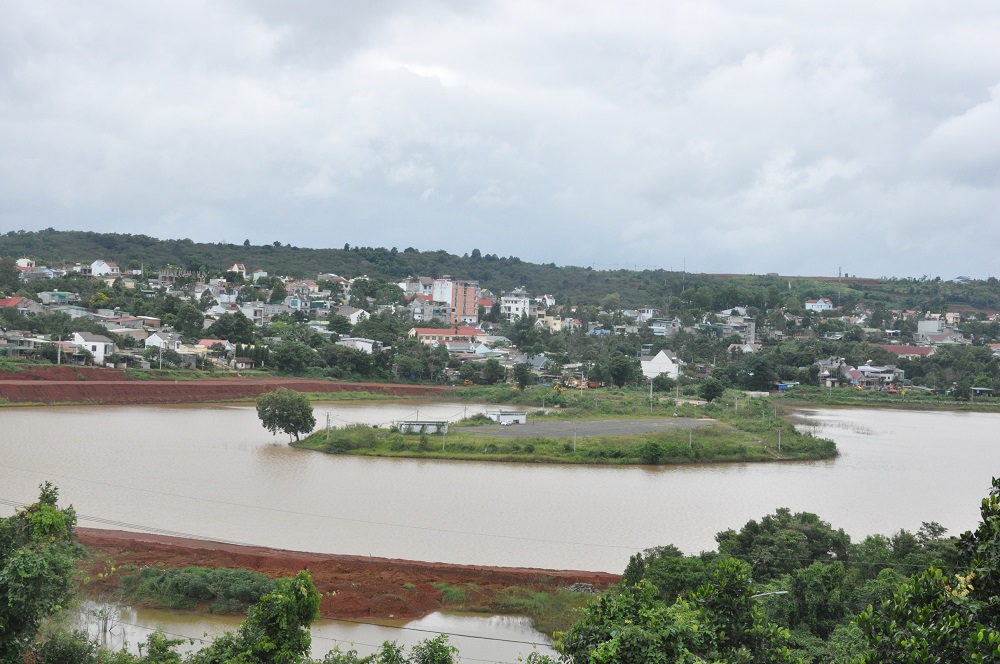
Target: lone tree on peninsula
{"x": 286, "y": 410}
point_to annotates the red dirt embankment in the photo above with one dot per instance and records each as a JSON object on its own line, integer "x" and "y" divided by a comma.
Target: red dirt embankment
{"x": 64, "y": 384}
{"x": 351, "y": 586}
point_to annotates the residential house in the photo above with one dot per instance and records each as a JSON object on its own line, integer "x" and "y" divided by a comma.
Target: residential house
{"x": 240, "y": 269}
{"x": 647, "y": 314}
{"x": 665, "y": 327}
{"x": 423, "y": 308}
{"x": 663, "y": 363}
{"x": 102, "y": 268}
{"x": 832, "y": 371}
{"x": 545, "y": 301}
{"x": 417, "y": 286}
{"x": 430, "y": 335}
{"x": 822, "y": 304}
{"x": 99, "y": 345}
{"x": 343, "y": 283}
{"x": 23, "y": 305}
{"x": 353, "y": 314}
{"x": 132, "y": 322}
{"x": 35, "y": 273}
{"x": 209, "y": 344}
{"x": 261, "y": 313}
{"x": 736, "y": 349}
{"x": 56, "y": 297}
{"x": 908, "y": 352}
{"x": 537, "y": 363}
{"x": 73, "y": 311}
{"x": 550, "y": 323}
{"x": 876, "y": 377}
{"x": 165, "y": 340}
{"x": 460, "y": 347}
{"x": 242, "y": 363}
{"x": 364, "y": 345}
{"x": 515, "y": 304}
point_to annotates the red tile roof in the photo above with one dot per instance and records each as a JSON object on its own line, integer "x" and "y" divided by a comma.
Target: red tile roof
{"x": 11, "y": 302}
{"x": 906, "y": 350}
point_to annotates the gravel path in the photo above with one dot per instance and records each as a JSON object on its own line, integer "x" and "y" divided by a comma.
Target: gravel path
{"x": 590, "y": 428}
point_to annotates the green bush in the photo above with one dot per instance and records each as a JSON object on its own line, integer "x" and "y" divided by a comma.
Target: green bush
{"x": 230, "y": 590}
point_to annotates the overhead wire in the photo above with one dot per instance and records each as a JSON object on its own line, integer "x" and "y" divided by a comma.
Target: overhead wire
{"x": 172, "y": 533}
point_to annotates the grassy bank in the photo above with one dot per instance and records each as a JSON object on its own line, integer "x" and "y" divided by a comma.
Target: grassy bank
{"x": 740, "y": 430}
{"x": 803, "y": 395}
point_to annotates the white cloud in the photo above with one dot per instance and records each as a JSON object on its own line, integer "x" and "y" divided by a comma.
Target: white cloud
{"x": 733, "y": 134}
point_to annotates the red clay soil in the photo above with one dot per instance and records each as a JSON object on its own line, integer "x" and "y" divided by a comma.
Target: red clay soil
{"x": 351, "y": 586}
{"x": 64, "y": 384}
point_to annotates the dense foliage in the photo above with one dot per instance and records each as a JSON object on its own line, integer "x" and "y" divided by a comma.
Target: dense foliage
{"x": 37, "y": 561}
{"x": 287, "y": 411}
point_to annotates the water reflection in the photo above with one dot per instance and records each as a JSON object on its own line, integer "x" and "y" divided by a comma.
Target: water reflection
{"x": 483, "y": 638}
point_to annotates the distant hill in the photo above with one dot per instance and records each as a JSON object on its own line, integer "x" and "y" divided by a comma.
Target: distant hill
{"x": 569, "y": 284}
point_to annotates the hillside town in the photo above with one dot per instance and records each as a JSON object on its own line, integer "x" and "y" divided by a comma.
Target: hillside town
{"x": 449, "y": 329}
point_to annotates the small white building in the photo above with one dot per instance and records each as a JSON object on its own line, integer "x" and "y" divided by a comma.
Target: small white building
{"x": 822, "y": 304}
{"x": 364, "y": 345}
{"x": 663, "y": 363}
{"x": 353, "y": 314}
{"x": 165, "y": 340}
{"x": 508, "y": 416}
{"x": 422, "y": 426}
{"x": 99, "y": 346}
{"x": 101, "y": 268}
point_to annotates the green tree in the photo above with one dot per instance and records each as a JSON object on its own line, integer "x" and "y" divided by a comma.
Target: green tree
{"x": 189, "y": 320}
{"x": 276, "y": 629}
{"x": 294, "y": 357}
{"x": 278, "y": 292}
{"x": 523, "y": 375}
{"x": 235, "y": 328}
{"x": 623, "y": 370}
{"x": 711, "y": 389}
{"x": 286, "y": 410}
{"x": 37, "y": 562}
{"x": 720, "y": 622}
{"x": 10, "y": 281}
{"x": 783, "y": 542}
{"x": 935, "y": 617}
{"x": 493, "y": 372}
{"x": 339, "y": 324}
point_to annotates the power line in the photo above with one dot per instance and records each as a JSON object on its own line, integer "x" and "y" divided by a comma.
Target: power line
{"x": 172, "y": 533}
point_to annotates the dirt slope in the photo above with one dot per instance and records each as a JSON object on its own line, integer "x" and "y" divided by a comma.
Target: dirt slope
{"x": 352, "y": 586}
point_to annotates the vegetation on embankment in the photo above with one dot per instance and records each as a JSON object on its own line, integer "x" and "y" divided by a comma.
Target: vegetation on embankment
{"x": 159, "y": 575}
{"x": 741, "y": 429}
{"x": 905, "y": 399}
{"x": 221, "y": 590}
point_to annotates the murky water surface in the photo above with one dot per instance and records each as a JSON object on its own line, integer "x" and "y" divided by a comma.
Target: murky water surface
{"x": 214, "y": 472}
{"x": 478, "y": 638}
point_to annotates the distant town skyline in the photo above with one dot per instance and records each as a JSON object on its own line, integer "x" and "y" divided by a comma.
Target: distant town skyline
{"x": 706, "y": 136}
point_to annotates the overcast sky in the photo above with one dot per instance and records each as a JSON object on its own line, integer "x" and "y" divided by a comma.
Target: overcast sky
{"x": 789, "y": 137}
